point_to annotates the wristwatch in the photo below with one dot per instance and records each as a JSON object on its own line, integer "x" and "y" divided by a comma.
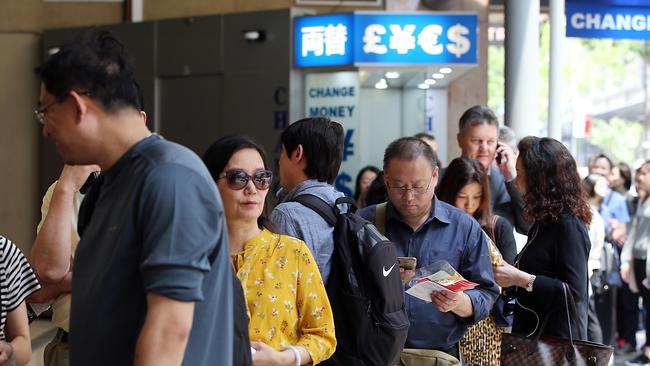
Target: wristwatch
{"x": 529, "y": 285}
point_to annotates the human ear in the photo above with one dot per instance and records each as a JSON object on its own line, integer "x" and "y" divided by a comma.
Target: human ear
{"x": 80, "y": 104}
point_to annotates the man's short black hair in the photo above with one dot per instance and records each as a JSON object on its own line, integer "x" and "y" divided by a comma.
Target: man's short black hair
{"x": 322, "y": 144}
{"x": 94, "y": 63}
{"x": 410, "y": 148}
{"x": 477, "y": 115}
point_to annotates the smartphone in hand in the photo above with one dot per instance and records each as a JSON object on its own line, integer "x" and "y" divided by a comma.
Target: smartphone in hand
{"x": 499, "y": 156}
{"x": 408, "y": 263}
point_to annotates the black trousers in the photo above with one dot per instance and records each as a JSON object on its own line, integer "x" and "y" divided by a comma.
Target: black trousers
{"x": 605, "y": 309}
{"x": 594, "y": 332}
{"x": 627, "y": 308}
{"x": 639, "y": 276}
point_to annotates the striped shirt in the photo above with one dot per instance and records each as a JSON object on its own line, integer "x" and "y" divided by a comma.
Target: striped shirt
{"x": 16, "y": 278}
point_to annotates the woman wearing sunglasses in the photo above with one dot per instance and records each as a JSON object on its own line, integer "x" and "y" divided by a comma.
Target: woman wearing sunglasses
{"x": 558, "y": 243}
{"x": 290, "y": 318}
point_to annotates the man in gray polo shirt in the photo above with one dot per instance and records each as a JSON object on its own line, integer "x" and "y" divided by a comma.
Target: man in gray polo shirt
{"x": 312, "y": 150}
{"x": 151, "y": 280}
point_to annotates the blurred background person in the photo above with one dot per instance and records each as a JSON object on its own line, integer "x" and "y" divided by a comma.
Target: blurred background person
{"x": 635, "y": 268}
{"x": 291, "y": 319}
{"x": 627, "y": 304}
{"x": 465, "y": 185}
{"x": 432, "y": 142}
{"x": 595, "y": 186}
{"x": 376, "y": 192}
{"x": 364, "y": 178}
{"x": 558, "y": 246}
{"x": 614, "y": 211}
{"x": 621, "y": 179}
{"x": 507, "y": 136}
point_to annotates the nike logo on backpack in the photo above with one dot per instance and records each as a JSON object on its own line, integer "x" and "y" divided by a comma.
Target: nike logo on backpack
{"x": 386, "y": 273}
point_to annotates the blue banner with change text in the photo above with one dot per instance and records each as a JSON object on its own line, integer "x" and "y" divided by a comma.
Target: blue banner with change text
{"x": 593, "y": 21}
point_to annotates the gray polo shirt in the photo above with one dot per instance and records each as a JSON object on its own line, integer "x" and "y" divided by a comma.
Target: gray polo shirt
{"x": 157, "y": 227}
{"x": 294, "y": 219}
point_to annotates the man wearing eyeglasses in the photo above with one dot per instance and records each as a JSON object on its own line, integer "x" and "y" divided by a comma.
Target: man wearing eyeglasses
{"x": 151, "y": 279}
{"x": 423, "y": 227}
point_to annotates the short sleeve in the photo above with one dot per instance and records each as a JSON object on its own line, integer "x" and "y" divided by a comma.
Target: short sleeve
{"x": 182, "y": 224}
{"x": 45, "y": 205}
{"x": 19, "y": 280}
{"x": 283, "y": 222}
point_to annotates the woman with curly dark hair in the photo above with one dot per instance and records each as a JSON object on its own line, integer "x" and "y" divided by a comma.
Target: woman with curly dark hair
{"x": 558, "y": 242}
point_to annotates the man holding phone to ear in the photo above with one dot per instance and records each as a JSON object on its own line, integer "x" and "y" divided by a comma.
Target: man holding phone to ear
{"x": 478, "y": 131}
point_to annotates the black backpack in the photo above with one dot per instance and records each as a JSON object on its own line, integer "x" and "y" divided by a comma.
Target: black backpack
{"x": 364, "y": 288}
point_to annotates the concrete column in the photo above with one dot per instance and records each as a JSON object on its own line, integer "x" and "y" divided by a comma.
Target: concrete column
{"x": 19, "y": 138}
{"x": 471, "y": 88}
{"x": 522, "y": 44}
{"x": 555, "y": 105}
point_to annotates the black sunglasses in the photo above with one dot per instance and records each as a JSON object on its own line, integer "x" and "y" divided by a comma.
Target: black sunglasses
{"x": 237, "y": 179}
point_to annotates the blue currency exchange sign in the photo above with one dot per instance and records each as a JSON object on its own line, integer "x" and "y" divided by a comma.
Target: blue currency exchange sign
{"x": 618, "y": 19}
{"x": 385, "y": 38}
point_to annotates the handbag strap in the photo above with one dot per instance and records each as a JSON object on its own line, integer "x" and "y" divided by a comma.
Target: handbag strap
{"x": 571, "y": 312}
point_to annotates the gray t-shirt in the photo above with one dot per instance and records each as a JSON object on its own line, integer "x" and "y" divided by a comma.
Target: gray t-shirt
{"x": 157, "y": 227}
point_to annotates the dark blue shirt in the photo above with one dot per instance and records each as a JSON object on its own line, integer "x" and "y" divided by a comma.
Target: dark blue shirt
{"x": 157, "y": 227}
{"x": 454, "y": 236}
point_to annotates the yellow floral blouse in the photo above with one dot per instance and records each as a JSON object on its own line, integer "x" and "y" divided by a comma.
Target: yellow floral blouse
{"x": 285, "y": 295}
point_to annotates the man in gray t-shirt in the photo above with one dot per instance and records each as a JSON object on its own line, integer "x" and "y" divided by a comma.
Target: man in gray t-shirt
{"x": 152, "y": 283}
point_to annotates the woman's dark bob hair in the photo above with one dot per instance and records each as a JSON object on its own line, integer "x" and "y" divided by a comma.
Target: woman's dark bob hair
{"x": 461, "y": 172}
{"x": 219, "y": 153}
{"x": 553, "y": 186}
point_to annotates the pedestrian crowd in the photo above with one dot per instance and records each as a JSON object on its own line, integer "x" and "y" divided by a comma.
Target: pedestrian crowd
{"x": 151, "y": 255}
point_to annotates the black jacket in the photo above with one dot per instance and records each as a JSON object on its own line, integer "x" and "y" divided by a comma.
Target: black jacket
{"x": 556, "y": 252}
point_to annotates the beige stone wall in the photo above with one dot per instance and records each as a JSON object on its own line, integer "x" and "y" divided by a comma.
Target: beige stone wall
{"x": 36, "y": 15}
{"x": 21, "y": 22}
{"x": 162, "y": 9}
{"x": 18, "y": 138}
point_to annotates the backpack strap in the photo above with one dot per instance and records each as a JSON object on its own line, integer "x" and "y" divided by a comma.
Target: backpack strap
{"x": 380, "y": 218}
{"x": 317, "y": 205}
